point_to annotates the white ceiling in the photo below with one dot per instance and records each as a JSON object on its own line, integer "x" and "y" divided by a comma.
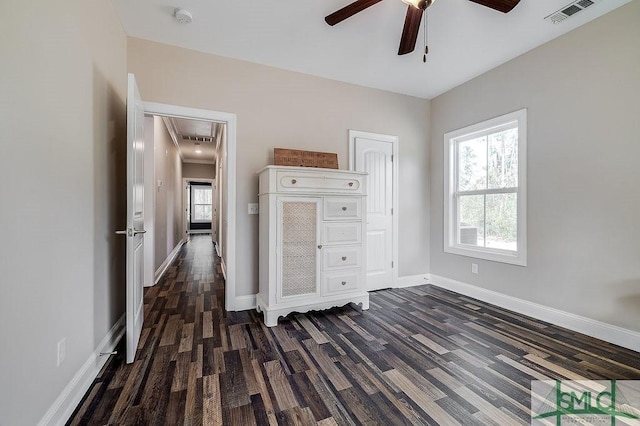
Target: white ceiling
{"x": 465, "y": 39}
{"x": 193, "y": 136}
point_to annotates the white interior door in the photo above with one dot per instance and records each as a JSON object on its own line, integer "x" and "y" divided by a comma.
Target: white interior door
{"x": 135, "y": 218}
{"x": 375, "y": 156}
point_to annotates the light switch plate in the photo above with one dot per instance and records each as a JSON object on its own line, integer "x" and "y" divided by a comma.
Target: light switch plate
{"x": 254, "y": 208}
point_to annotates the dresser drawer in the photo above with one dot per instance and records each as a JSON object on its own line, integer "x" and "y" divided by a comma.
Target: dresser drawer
{"x": 340, "y": 208}
{"x": 317, "y": 182}
{"x": 341, "y": 281}
{"x": 339, "y": 257}
{"x": 334, "y": 233}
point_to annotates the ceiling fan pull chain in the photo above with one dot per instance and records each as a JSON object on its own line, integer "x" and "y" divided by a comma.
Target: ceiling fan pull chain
{"x": 426, "y": 47}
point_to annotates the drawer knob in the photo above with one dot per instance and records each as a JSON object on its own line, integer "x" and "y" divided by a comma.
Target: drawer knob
{"x": 344, "y": 258}
{"x": 344, "y": 283}
{"x": 350, "y": 183}
{"x": 293, "y": 181}
{"x": 320, "y": 246}
{"x": 344, "y": 209}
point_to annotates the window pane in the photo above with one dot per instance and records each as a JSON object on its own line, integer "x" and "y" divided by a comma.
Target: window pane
{"x": 202, "y": 212}
{"x": 503, "y": 159}
{"x": 198, "y": 212}
{"x": 502, "y": 230}
{"x": 471, "y": 220}
{"x": 472, "y": 164}
{"x": 207, "y": 212}
{"x": 202, "y": 195}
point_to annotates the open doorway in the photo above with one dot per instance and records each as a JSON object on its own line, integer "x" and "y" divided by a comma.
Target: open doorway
{"x": 221, "y": 177}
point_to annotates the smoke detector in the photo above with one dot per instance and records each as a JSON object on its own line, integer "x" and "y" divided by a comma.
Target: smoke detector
{"x": 183, "y": 16}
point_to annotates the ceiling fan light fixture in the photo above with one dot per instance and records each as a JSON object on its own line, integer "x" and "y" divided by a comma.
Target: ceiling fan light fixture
{"x": 419, "y": 4}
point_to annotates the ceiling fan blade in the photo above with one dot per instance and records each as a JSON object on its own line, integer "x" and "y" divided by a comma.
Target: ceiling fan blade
{"x": 349, "y": 10}
{"x": 410, "y": 30}
{"x": 499, "y": 5}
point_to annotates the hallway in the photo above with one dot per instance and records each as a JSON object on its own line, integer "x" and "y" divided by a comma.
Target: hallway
{"x": 420, "y": 355}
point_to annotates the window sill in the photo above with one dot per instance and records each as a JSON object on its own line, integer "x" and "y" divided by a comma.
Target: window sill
{"x": 502, "y": 256}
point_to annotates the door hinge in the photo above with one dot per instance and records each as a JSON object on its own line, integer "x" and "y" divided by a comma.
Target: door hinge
{"x": 391, "y": 210}
{"x": 392, "y": 158}
{"x": 392, "y": 264}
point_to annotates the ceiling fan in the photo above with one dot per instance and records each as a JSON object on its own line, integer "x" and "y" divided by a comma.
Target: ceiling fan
{"x": 415, "y": 9}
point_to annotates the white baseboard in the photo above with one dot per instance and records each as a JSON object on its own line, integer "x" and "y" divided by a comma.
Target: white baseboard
{"x": 72, "y": 394}
{"x": 244, "y": 303}
{"x": 412, "y": 280}
{"x": 163, "y": 268}
{"x": 600, "y": 330}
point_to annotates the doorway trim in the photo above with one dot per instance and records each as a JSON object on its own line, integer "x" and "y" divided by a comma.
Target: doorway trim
{"x": 166, "y": 110}
{"x": 394, "y": 140}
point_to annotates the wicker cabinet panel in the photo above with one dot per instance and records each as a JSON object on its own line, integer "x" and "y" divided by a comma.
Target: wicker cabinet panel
{"x": 299, "y": 246}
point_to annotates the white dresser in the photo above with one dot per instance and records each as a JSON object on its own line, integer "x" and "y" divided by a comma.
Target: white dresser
{"x": 311, "y": 240}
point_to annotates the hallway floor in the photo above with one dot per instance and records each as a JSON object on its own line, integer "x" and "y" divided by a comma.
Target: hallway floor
{"x": 420, "y": 355}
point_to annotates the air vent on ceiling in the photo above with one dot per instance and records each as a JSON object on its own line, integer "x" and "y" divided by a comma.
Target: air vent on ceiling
{"x": 570, "y": 10}
{"x": 208, "y": 139}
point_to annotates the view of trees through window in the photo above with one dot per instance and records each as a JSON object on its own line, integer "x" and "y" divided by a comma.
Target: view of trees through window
{"x": 202, "y": 200}
{"x": 487, "y": 187}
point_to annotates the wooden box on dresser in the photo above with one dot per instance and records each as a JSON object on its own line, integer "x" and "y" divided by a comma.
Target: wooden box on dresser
{"x": 312, "y": 234}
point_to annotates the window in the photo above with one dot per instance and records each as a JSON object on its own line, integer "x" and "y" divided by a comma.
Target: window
{"x": 201, "y": 207}
{"x": 485, "y": 190}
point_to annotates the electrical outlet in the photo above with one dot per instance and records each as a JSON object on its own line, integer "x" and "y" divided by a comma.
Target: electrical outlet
{"x": 474, "y": 268}
{"x": 62, "y": 351}
{"x": 254, "y": 208}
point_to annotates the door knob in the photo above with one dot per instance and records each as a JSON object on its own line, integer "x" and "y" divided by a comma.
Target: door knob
{"x": 139, "y": 231}
{"x": 122, "y": 232}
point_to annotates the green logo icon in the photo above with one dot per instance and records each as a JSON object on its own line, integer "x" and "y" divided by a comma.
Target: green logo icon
{"x": 571, "y": 402}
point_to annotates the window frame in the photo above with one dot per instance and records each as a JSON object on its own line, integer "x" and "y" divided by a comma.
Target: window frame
{"x": 451, "y": 142}
{"x": 195, "y": 187}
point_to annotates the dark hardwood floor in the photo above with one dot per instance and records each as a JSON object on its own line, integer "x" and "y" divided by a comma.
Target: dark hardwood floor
{"x": 420, "y": 355}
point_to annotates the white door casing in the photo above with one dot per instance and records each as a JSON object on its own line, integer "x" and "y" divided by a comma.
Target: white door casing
{"x": 226, "y": 181}
{"x": 376, "y": 154}
{"x": 135, "y": 218}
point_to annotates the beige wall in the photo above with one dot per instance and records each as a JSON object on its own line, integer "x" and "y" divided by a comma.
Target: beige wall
{"x": 581, "y": 91}
{"x": 168, "y": 224}
{"x": 202, "y": 171}
{"x": 62, "y": 164}
{"x": 277, "y": 108}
